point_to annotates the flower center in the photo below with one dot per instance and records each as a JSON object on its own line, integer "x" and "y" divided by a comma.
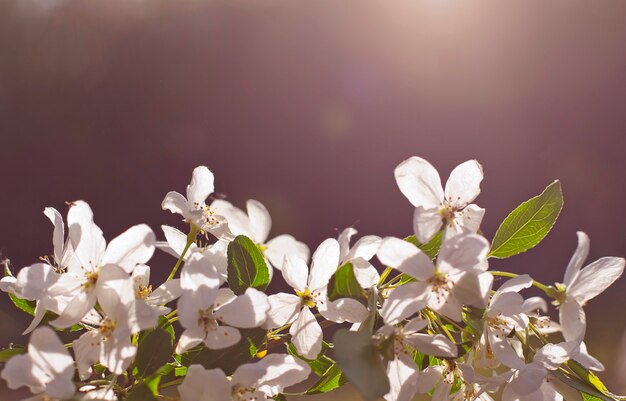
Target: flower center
{"x": 208, "y": 215}
{"x": 92, "y": 279}
{"x": 107, "y": 326}
{"x": 143, "y": 291}
{"x": 307, "y": 298}
{"x": 440, "y": 286}
{"x": 207, "y": 321}
{"x": 241, "y": 393}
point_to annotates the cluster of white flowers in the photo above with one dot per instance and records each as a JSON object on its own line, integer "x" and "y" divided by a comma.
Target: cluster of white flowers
{"x": 437, "y": 325}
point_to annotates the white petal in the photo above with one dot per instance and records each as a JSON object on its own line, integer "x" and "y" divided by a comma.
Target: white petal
{"x": 516, "y": 284}
{"x": 238, "y": 220}
{"x": 572, "y": 320}
{"x": 534, "y": 304}
{"x": 284, "y": 309}
{"x": 115, "y": 290}
{"x": 428, "y": 378}
{"x": 595, "y": 278}
{"x": 35, "y": 280}
{"x": 201, "y": 185}
{"x": 40, "y": 313}
{"x": 551, "y": 356}
{"x": 462, "y": 252}
{"x": 134, "y": 246}
{"x": 222, "y": 337}
{"x": 141, "y": 276}
{"x": 579, "y": 257}
{"x": 245, "y": 311}
{"x": 198, "y": 272}
{"x": 503, "y": 350}
{"x": 324, "y": 265}
{"x": 189, "y": 339}
{"x": 343, "y": 310}
{"x": 167, "y": 292}
{"x": 474, "y": 289}
{"x": 406, "y": 258}
{"x": 404, "y": 301}
{"x": 87, "y": 350}
{"x": 344, "y": 242}
{"x": 463, "y": 185}
{"x": 175, "y": 203}
{"x": 117, "y": 353}
{"x": 426, "y": 223}
{"x": 58, "y": 236}
{"x": 205, "y": 385}
{"x": 260, "y": 220}
{"x": 295, "y": 273}
{"x": 528, "y": 380}
{"x": 176, "y": 242}
{"x": 279, "y": 371}
{"x": 86, "y": 237}
{"x": 507, "y": 303}
{"x": 402, "y": 380}
{"x": 306, "y": 334}
{"x": 437, "y": 345}
{"x": 469, "y": 218}
{"x": 419, "y": 182}
{"x": 76, "y": 309}
{"x": 588, "y": 361}
{"x": 285, "y": 245}
{"x": 365, "y": 273}
{"x": 366, "y": 247}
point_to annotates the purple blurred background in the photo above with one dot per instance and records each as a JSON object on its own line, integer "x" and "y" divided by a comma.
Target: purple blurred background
{"x": 308, "y": 107}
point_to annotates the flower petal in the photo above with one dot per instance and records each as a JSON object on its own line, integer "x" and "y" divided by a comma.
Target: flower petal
{"x": 86, "y": 237}
{"x": 295, "y": 273}
{"x": 166, "y": 292}
{"x": 189, "y": 339}
{"x": 245, "y": 311}
{"x": 260, "y": 220}
{"x": 58, "y": 236}
{"x": 404, "y": 301}
{"x": 463, "y": 185}
{"x": 201, "y": 186}
{"x": 426, "y": 223}
{"x": 284, "y": 309}
{"x": 437, "y": 345}
{"x": 285, "y": 245}
{"x": 366, "y": 247}
{"x": 419, "y": 182}
{"x": 205, "y": 385}
{"x": 343, "y": 310}
{"x": 572, "y": 319}
{"x": 402, "y": 380}
{"x": 134, "y": 246}
{"x": 306, "y": 334}
{"x": 462, "y": 252}
{"x": 577, "y": 260}
{"x": 595, "y": 278}
{"x": 324, "y": 265}
{"x": 238, "y": 221}
{"x": 222, "y": 337}
{"x": 175, "y": 203}
{"x": 406, "y": 258}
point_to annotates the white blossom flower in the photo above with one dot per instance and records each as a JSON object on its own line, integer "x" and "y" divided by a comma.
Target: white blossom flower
{"x": 311, "y": 291}
{"x": 212, "y": 315}
{"x": 253, "y": 381}
{"x": 405, "y": 378}
{"x": 165, "y": 293}
{"x": 256, "y": 225}
{"x": 193, "y": 207}
{"x": 581, "y": 285}
{"x": 124, "y": 315}
{"x": 531, "y": 381}
{"x": 78, "y": 284}
{"x": 47, "y": 369}
{"x": 176, "y": 241}
{"x": 459, "y": 276}
{"x": 504, "y": 314}
{"x": 435, "y": 207}
{"x": 359, "y": 255}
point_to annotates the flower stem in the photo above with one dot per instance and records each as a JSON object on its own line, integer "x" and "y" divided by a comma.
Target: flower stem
{"x": 191, "y": 237}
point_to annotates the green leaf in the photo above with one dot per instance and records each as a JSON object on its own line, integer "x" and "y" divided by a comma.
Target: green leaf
{"x": 155, "y": 350}
{"x": 227, "y": 359}
{"x": 361, "y": 362}
{"x": 141, "y": 392}
{"x": 343, "y": 284}
{"x": 320, "y": 365}
{"x": 333, "y": 378}
{"x": 369, "y": 324}
{"x": 587, "y": 397}
{"x": 246, "y": 266}
{"x": 26, "y": 306}
{"x": 430, "y": 248}
{"x": 528, "y": 224}
{"x": 8, "y": 353}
